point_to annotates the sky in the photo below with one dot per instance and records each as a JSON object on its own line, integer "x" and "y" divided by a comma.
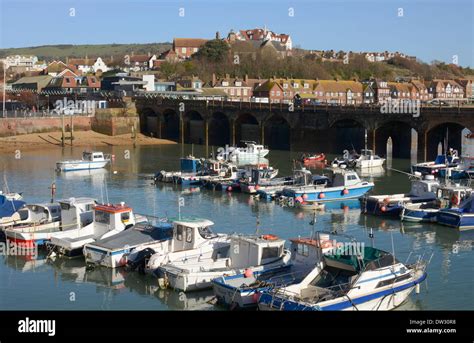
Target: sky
{"x": 428, "y": 29}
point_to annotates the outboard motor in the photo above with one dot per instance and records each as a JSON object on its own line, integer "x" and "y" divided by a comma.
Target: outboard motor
{"x": 158, "y": 177}
{"x": 138, "y": 262}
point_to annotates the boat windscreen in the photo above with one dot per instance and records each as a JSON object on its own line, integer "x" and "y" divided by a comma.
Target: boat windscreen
{"x": 369, "y": 258}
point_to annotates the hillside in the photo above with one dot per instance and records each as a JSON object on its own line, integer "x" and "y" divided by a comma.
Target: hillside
{"x": 49, "y": 52}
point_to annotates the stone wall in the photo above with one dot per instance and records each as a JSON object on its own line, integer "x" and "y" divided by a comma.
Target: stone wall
{"x": 21, "y": 126}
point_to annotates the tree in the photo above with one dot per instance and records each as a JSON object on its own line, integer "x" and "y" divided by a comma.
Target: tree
{"x": 214, "y": 50}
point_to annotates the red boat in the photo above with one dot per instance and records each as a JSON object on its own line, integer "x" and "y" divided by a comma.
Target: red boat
{"x": 313, "y": 158}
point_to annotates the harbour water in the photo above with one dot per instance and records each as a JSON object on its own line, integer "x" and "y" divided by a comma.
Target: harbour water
{"x": 27, "y": 283}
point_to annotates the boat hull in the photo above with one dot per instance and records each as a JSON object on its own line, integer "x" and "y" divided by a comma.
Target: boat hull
{"x": 455, "y": 219}
{"x": 330, "y": 193}
{"x": 80, "y": 165}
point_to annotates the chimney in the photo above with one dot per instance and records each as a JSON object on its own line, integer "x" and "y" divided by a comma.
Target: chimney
{"x": 227, "y": 76}
{"x": 214, "y": 81}
{"x": 149, "y": 54}
{"x": 246, "y": 77}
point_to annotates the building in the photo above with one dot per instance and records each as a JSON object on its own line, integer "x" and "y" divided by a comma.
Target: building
{"x": 338, "y": 92}
{"x": 192, "y": 82}
{"x": 142, "y": 62}
{"x": 468, "y": 87}
{"x": 184, "y": 48}
{"x": 86, "y": 65}
{"x": 445, "y": 89}
{"x": 421, "y": 91}
{"x": 368, "y": 95}
{"x": 69, "y": 82}
{"x": 236, "y": 89}
{"x": 262, "y": 36}
{"x": 269, "y": 91}
{"x": 54, "y": 68}
{"x": 32, "y": 83}
{"x": 382, "y": 91}
{"x": 19, "y": 61}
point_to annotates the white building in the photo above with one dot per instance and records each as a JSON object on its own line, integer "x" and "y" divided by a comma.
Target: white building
{"x": 27, "y": 62}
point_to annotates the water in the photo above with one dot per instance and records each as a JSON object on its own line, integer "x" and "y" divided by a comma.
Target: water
{"x": 65, "y": 284}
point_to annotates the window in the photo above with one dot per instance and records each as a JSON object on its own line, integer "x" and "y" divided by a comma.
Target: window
{"x": 272, "y": 252}
{"x": 195, "y": 49}
{"x": 125, "y": 216}
{"x": 102, "y": 217}
{"x": 189, "y": 235}
{"x": 179, "y": 232}
{"x": 183, "y": 50}
{"x": 306, "y": 85}
{"x": 272, "y": 93}
{"x": 303, "y": 249}
{"x": 245, "y": 91}
{"x": 285, "y": 85}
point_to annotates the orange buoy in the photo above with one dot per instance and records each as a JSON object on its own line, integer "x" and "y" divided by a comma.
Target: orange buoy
{"x": 321, "y": 195}
{"x": 345, "y": 191}
{"x": 248, "y": 273}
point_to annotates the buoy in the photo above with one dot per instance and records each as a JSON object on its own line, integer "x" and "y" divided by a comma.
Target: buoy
{"x": 248, "y": 273}
{"x": 305, "y": 196}
{"x": 345, "y": 191}
{"x": 299, "y": 199}
{"x": 257, "y": 187}
{"x": 383, "y": 209}
{"x": 321, "y": 195}
{"x": 229, "y": 189}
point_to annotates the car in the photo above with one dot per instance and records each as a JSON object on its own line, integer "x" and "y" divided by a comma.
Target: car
{"x": 437, "y": 102}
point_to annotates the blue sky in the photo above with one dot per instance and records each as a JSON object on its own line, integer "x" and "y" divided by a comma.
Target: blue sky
{"x": 428, "y": 29}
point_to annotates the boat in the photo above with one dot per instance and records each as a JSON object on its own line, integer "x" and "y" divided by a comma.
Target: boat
{"x": 107, "y": 221}
{"x": 311, "y": 206}
{"x": 189, "y": 167}
{"x": 245, "y": 254}
{"x": 308, "y": 158}
{"x": 257, "y": 178}
{"x": 341, "y": 185}
{"x": 47, "y": 214}
{"x": 192, "y": 239}
{"x": 370, "y": 279}
{"x": 47, "y": 219}
{"x": 422, "y": 190}
{"x": 433, "y": 167}
{"x": 242, "y": 290}
{"x": 461, "y": 218}
{"x": 367, "y": 159}
{"x": 251, "y": 151}
{"x": 113, "y": 252}
{"x": 9, "y": 209}
{"x": 447, "y": 196}
{"x": 90, "y": 160}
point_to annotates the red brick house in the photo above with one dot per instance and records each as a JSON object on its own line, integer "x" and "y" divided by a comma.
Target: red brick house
{"x": 186, "y": 47}
{"x": 271, "y": 90}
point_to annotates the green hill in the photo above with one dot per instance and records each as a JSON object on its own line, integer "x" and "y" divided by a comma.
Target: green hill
{"x": 50, "y": 52}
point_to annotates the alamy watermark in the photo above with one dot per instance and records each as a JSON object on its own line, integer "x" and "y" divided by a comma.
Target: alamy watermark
{"x": 9, "y": 248}
{"x": 71, "y": 107}
{"x": 401, "y": 106}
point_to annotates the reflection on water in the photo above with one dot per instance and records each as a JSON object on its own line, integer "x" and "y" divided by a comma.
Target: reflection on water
{"x": 37, "y": 284}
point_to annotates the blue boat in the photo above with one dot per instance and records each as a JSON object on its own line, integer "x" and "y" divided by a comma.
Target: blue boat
{"x": 434, "y": 167}
{"x": 461, "y": 218}
{"x": 242, "y": 291}
{"x": 424, "y": 212}
{"x": 344, "y": 184}
{"x": 9, "y": 206}
{"x": 391, "y": 205}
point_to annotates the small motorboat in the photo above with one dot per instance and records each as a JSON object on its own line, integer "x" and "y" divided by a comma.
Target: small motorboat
{"x": 461, "y": 218}
{"x": 107, "y": 221}
{"x": 245, "y": 254}
{"x": 251, "y": 151}
{"x": 371, "y": 279}
{"x": 313, "y": 158}
{"x": 422, "y": 190}
{"x": 42, "y": 221}
{"x": 422, "y": 212}
{"x": 341, "y": 185}
{"x": 367, "y": 159}
{"x": 434, "y": 167}
{"x": 90, "y": 160}
{"x": 242, "y": 290}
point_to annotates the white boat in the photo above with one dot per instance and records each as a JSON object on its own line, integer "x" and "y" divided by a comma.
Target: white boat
{"x": 370, "y": 280}
{"x": 90, "y": 160}
{"x": 367, "y": 159}
{"x": 48, "y": 219}
{"x": 241, "y": 290}
{"x": 192, "y": 239}
{"x": 251, "y": 151}
{"x": 108, "y": 220}
{"x": 47, "y": 214}
{"x": 247, "y": 254}
{"x": 146, "y": 247}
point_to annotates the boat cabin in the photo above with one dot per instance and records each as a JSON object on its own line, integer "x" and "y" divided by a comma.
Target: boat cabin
{"x": 424, "y": 187}
{"x": 308, "y": 251}
{"x": 119, "y": 217}
{"x": 93, "y": 156}
{"x": 190, "y": 164}
{"x": 190, "y": 233}
{"x": 248, "y": 251}
{"x": 40, "y": 213}
{"x": 252, "y": 147}
{"x": 76, "y": 212}
{"x": 346, "y": 178}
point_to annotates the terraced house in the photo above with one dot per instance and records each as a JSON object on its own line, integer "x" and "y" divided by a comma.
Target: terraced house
{"x": 445, "y": 89}
{"x": 237, "y": 89}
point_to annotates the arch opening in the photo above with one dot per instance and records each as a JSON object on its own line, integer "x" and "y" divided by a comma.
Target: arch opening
{"x": 277, "y": 133}
{"x": 246, "y": 128}
{"x": 219, "y": 129}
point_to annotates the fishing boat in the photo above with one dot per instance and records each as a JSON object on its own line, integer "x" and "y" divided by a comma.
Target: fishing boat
{"x": 90, "y": 160}
{"x": 258, "y": 176}
{"x": 251, "y": 151}
{"x": 242, "y": 290}
{"x": 447, "y": 196}
{"x": 189, "y": 167}
{"x": 48, "y": 219}
{"x": 308, "y": 158}
{"x": 47, "y": 214}
{"x": 461, "y": 218}
{"x": 341, "y": 185}
{"x": 370, "y": 279}
{"x": 192, "y": 240}
{"x": 422, "y": 190}
{"x": 107, "y": 221}
{"x": 245, "y": 254}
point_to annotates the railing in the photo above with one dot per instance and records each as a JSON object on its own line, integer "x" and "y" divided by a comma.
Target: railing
{"x": 37, "y": 114}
